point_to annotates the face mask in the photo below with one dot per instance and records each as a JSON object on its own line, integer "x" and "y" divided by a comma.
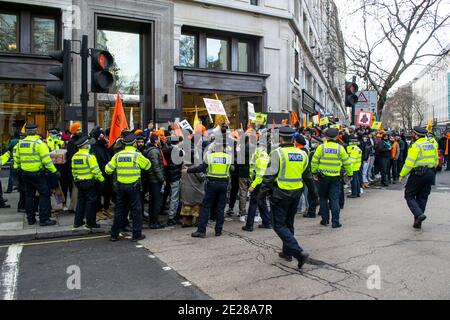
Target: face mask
{"x": 89, "y": 147}
{"x": 53, "y": 136}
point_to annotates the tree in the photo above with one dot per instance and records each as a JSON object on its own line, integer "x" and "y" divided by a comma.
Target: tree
{"x": 396, "y": 34}
{"x": 404, "y": 109}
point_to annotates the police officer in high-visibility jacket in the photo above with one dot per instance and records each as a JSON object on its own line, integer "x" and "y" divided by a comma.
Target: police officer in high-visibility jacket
{"x": 53, "y": 141}
{"x": 128, "y": 164}
{"x": 421, "y": 162}
{"x": 283, "y": 179}
{"x": 85, "y": 172}
{"x": 326, "y": 166}
{"x": 3, "y": 160}
{"x": 355, "y": 154}
{"x": 258, "y": 165}
{"x": 217, "y": 164}
{"x": 32, "y": 159}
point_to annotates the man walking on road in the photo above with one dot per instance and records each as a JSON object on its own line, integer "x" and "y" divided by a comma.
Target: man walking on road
{"x": 283, "y": 179}
{"x": 421, "y": 162}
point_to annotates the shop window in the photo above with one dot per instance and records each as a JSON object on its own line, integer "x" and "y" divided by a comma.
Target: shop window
{"x": 44, "y": 35}
{"x": 217, "y": 53}
{"x": 26, "y": 103}
{"x": 254, "y": 2}
{"x": 234, "y": 104}
{"x": 188, "y": 48}
{"x": 9, "y": 32}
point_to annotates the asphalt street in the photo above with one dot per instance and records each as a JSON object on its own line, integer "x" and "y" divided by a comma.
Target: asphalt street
{"x": 89, "y": 269}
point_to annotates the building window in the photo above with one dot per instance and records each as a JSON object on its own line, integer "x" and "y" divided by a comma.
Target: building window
{"x": 44, "y": 35}
{"x": 217, "y": 53}
{"x": 297, "y": 69}
{"x": 218, "y": 50}
{"x": 254, "y": 2}
{"x": 188, "y": 48}
{"x": 243, "y": 57}
{"x": 9, "y": 31}
{"x": 29, "y": 29}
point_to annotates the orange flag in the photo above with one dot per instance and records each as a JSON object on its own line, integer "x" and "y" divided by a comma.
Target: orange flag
{"x": 294, "y": 119}
{"x": 118, "y": 122}
{"x": 304, "y": 123}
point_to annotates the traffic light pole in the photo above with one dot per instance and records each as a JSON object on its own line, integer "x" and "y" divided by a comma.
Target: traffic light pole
{"x": 84, "y": 83}
{"x": 353, "y": 106}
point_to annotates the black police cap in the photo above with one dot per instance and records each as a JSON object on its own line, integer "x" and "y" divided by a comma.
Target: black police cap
{"x": 286, "y": 132}
{"x": 31, "y": 126}
{"x": 83, "y": 140}
{"x": 129, "y": 139}
{"x": 420, "y": 131}
{"x": 331, "y": 133}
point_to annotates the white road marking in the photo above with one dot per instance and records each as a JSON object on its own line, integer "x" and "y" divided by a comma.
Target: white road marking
{"x": 151, "y": 256}
{"x": 10, "y": 272}
{"x": 139, "y": 246}
{"x": 186, "y": 283}
{"x": 167, "y": 268}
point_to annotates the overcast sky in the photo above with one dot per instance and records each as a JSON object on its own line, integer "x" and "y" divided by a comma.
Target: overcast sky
{"x": 350, "y": 27}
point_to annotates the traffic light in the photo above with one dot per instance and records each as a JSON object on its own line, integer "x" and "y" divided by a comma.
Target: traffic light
{"x": 101, "y": 78}
{"x": 61, "y": 88}
{"x": 350, "y": 94}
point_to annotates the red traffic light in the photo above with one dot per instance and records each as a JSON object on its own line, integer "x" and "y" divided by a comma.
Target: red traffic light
{"x": 103, "y": 59}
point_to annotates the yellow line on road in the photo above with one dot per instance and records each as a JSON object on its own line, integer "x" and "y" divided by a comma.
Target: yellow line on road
{"x": 59, "y": 241}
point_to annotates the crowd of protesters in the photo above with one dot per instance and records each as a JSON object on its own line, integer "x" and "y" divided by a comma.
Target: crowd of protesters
{"x": 168, "y": 190}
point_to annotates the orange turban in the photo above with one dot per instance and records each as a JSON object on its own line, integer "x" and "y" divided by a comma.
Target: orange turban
{"x": 74, "y": 127}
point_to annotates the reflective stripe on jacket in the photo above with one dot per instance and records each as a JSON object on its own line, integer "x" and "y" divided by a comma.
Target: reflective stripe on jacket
{"x": 422, "y": 153}
{"x": 33, "y": 155}
{"x": 219, "y": 164}
{"x": 85, "y": 166}
{"x": 293, "y": 162}
{"x": 128, "y": 164}
{"x": 329, "y": 158}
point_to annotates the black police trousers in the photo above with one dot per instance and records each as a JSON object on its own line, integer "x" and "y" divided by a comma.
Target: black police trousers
{"x": 86, "y": 204}
{"x": 215, "y": 196}
{"x": 417, "y": 190}
{"x": 283, "y": 212}
{"x": 36, "y": 182}
{"x": 128, "y": 196}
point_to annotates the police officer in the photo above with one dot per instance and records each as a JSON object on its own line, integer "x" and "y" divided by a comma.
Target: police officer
{"x": 53, "y": 141}
{"x": 355, "y": 154}
{"x": 258, "y": 165}
{"x": 3, "y": 160}
{"x": 128, "y": 164}
{"x": 326, "y": 166}
{"x": 283, "y": 180}
{"x": 85, "y": 171}
{"x": 32, "y": 158}
{"x": 421, "y": 162}
{"x": 217, "y": 166}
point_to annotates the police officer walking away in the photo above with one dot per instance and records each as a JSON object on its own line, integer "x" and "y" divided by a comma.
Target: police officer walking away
{"x": 217, "y": 167}
{"x": 283, "y": 179}
{"x": 421, "y": 162}
{"x": 326, "y": 166}
{"x": 85, "y": 171}
{"x": 128, "y": 164}
{"x": 32, "y": 158}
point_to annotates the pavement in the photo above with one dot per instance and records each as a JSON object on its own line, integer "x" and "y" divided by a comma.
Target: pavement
{"x": 375, "y": 255}
{"x": 89, "y": 268}
{"x": 14, "y": 226}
